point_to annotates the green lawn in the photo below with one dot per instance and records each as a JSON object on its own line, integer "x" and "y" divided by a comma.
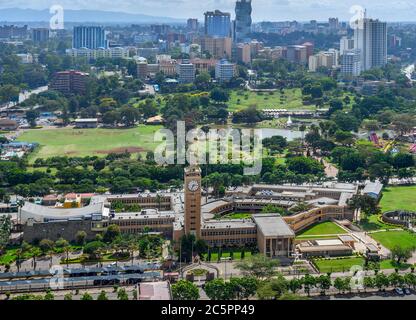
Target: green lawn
{"x": 403, "y": 197}
{"x": 389, "y": 239}
{"x": 390, "y": 264}
{"x": 291, "y": 99}
{"x": 323, "y": 228}
{"x": 226, "y": 254}
{"x": 373, "y": 223}
{"x": 237, "y": 215}
{"x": 338, "y": 265}
{"x": 88, "y": 142}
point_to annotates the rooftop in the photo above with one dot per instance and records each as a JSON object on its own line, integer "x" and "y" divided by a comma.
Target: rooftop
{"x": 272, "y": 225}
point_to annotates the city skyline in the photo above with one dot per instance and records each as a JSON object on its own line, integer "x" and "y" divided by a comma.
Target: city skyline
{"x": 269, "y": 10}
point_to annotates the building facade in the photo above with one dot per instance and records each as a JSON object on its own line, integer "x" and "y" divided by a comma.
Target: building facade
{"x": 242, "y": 28}
{"x": 89, "y": 37}
{"x": 217, "y": 24}
{"x": 186, "y": 72}
{"x": 70, "y": 81}
{"x": 224, "y": 70}
{"x": 371, "y": 39}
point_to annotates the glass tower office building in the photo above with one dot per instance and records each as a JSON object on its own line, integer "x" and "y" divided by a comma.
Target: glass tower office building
{"x": 217, "y": 24}
{"x": 89, "y": 37}
{"x": 242, "y": 21}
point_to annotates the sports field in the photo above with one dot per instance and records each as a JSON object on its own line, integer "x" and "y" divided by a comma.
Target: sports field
{"x": 403, "y": 197}
{"x": 89, "y": 142}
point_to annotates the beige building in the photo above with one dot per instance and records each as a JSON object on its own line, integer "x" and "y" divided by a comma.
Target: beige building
{"x": 244, "y": 53}
{"x": 218, "y": 47}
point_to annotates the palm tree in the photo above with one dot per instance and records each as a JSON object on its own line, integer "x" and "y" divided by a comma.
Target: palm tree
{"x": 133, "y": 246}
{"x": 35, "y": 252}
{"x": 19, "y": 253}
{"x": 67, "y": 249}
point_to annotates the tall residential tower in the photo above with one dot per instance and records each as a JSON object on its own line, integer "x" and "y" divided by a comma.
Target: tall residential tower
{"x": 370, "y": 38}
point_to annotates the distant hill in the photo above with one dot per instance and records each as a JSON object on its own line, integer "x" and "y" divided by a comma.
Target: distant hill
{"x": 81, "y": 16}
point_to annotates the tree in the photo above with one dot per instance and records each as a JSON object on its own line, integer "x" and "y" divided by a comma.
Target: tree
{"x": 185, "y": 290}
{"x": 368, "y": 282}
{"x": 381, "y": 281}
{"x": 324, "y": 282}
{"x": 49, "y": 296}
{"x": 272, "y": 288}
{"x": 259, "y": 266}
{"x": 31, "y": 116}
{"x": 217, "y": 289}
{"x": 219, "y": 95}
{"x": 80, "y": 237}
{"x": 46, "y": 245}
{"x": 244, "y": 287}
{"x": 112, "y": 232}
{"x": 93, "y": 249}
{"x": 122, "y": 294}
{"x": 249, "y": 115}
{"x": 368, "y": 204}
{"x": 5, "y": 230}
{"x": 129, "y": 115}
{"x": 86, "y": 296}
{"x": 295, "y": 284}
{"x": 400, "y": 253}
{"x": 404, "y": 123}
{"x": 68, "y": 296}
{"x": 102, "y": 295}
{"x": 308, "y": 282}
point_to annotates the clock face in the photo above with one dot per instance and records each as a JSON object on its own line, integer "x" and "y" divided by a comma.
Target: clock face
{"x": 193, "y": 185}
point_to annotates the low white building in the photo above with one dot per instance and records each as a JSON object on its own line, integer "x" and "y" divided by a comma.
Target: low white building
{"x": 224, "y": 70}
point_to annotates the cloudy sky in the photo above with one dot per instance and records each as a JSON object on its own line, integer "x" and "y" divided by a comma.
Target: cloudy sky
{"x": 276, "y": 10}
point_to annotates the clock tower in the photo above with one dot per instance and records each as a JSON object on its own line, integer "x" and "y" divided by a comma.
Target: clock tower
{"x": 192, "y": 190}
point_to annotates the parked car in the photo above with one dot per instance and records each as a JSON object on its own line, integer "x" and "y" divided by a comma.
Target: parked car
{"x": 399, "y": 291}
{"x": 407, "y": 291}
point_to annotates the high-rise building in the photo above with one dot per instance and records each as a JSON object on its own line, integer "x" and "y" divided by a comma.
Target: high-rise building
{"x": 218, "y": 47}
{"x": 193, "y": 201}
{"x": 333, "y": 24}
{"x": 243, "y": 53}
{"x": 89, "y": 37}
{"x": 224, "y": 70}
{"x": 395, "y": 41}
{"x": 217, "y": 24}
{"x": 68, "y": 82}
{"x": 346, "y": 44}
{"x": 310, "y": 47}
{"x": 192, "y": 25}
{"x": 186, "y": 71}
{"x": 297, "y": 54}
{"x": 371, "y": 39}
{"x": 328, "y": 59}
{"x": 40, "y": 35}
{"x": 142, "y": 69}
{"x": 242, "y": 28}
{"x": 351, "y": 63}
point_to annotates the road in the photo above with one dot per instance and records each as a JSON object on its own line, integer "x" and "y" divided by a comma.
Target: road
{"x": 23, "y": 96}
